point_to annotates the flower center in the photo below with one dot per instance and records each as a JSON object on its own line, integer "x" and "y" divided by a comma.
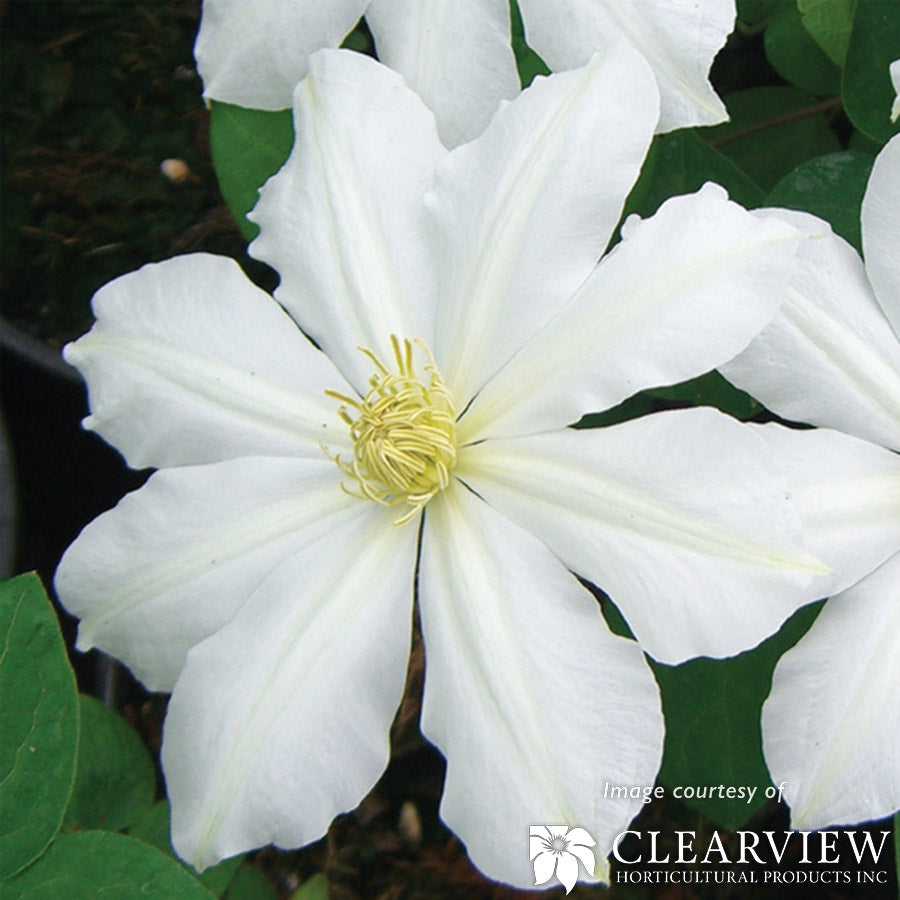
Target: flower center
{"x": 404, "y": 437}
{"x": 559, "y": 845}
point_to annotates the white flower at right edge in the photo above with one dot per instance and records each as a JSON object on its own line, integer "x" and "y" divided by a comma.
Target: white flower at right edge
{"x": 895, "y": 81}
{"x": 832, "y": 357}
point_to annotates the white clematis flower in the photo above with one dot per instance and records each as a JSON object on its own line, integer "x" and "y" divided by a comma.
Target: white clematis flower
{"x": 832, "y": 357}
{"x": 557, "y": 850}
{"x": 456, "y": 54}
{"x": 266, "y": 574}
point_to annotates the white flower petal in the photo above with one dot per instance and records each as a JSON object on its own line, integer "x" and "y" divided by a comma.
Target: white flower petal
{"x": 683, "y": 292}
{"x": 895, "y": 81}
{"x": 567, "y": 871}
{"x": 455, "y": 54}
{"x": 343, "y": 221}
{"x": 847, "y": 493}
{"x": 175, "y": 561}
{"x": 583, "y": 853}
{"x": 580, "y": 836}
{"x": 253, "y": 54}
{"x": 679, "y": 38}
{"x": 523, "y": 213}
{"x": 829, "y": 357}
{"x": 189, "y": 362}
{"x": 681, "y": 517}
{"x": 527, "y": 693}
{"x": 881, "y": 230}
{"x": 544, "y": 867}
{"x": 830, "y": 724}
{"x": 280, "y": 721}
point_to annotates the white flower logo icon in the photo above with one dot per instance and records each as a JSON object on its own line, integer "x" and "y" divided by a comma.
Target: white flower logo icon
{"x": 553, "y": 848}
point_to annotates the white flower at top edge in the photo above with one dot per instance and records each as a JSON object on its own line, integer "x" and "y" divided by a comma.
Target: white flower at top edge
{"x": 832, "y": 357}
{"x": 457, "y": 54}
{"x": 266, "y": 574}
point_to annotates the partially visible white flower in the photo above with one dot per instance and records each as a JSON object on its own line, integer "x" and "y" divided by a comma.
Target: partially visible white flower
{"x": 267, "y": 572}
{"x": 679, "y": 38}
{"x": 895, "y": 81}
{"x": 456, "y": 54}
{"x": 556, "y": 850}
{"x": 832, "y": 357}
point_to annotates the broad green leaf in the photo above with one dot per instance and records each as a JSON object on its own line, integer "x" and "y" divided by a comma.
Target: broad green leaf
{"x": 754, "y": 15}
{"x": 86, "y": 865}
{"x": 829, "y": 23}
{"x": 712, "y": 710}
{"x": 867, "y": 89}
{"x": 315, "y": 888}
{"x": 153, "y": 828}
{"x": 772, "y": 130}
{"x": 711, "y": 389}
{"x": 528, "y": 62}
{"x": 681, "y": 163}
{"x": 831, "y": 187}
{"x": 38, "y": 723}
{"x": 115, "y": 780}
{"x": 250, "y": 884}
{"x": 248, "y": 146}
{"x": 797, "y": 57}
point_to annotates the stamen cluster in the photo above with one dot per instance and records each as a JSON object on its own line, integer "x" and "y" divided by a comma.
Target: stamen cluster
{"x": 404, "y": 436}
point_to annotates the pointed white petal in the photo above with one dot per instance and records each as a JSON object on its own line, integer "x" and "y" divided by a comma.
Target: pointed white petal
{"x": 847, "y": 493}
{"x": 544, "y": 867}
{"x": 881, "y": 230}
{"x": 681, "y": 517}
{"x": 679, "y": 38}
{"x": 252, "y": 54}
{"x": 829, "y": 357}
{"x": 175, "y": 561}
{"x": 189, "y": 362}
{"x": 342, "y": 222}
{"x": 683, "y": 292}
{"x": 830, "y": 724}
{"x": 280, "y": 721}
{"x": 567, "y": 871}
{"x": 455, "y": 54}
{"x": 523, "y": 213}
{"x": 527, "y": 693}
{"x": 585, "y": 854}
{"x": 580, "y": 836}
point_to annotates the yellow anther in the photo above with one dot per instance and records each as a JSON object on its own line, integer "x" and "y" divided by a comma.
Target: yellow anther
{"x": 404, "y": 436}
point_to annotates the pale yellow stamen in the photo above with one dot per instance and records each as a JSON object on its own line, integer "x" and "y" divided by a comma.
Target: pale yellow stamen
{"x": 404, "y": 437}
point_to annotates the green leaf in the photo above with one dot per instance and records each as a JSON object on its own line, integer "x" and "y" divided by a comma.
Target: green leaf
{"x": 86, "y": 865}
{"x": 115, "y": 780}
{"x": 248, "y": 146}
{"x": 250, "y": 884}
{"x": 831, "y": 187}
{"x": 315, "y": 888}
{"x": 829, "y": 23}
{"x": 711, "y": 389}
{"x": 712, "y": 710}
{"x": 867, "y": 89}
{"x": 772, "y": 130}
{"x": 797, "y": 57}
{"x": 754, "y": 15}
{"x": 680, "y": 163}
{"x": 529, "y": 64}
{"x": 38, "y": 723}
{"x": 153, "y": 828}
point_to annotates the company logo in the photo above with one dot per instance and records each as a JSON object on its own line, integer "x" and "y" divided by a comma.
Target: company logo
{"x": 556, "y": 850}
